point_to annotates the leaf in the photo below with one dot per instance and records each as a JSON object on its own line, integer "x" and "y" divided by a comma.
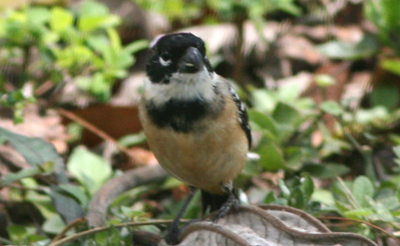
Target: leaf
{"x": 54, "y": 225}
{"x": 331, "y": 107}
{"x": 358, "y": 213}
{"x": 74, "y": 192}
{"x": 283, "y": 188}
{"x": 269, "y": 198}
{"x": 271, "y": 157}
{"x": 60, "y": 19}
{"x": 136, "y": 46}
{"x": 286, "y": 114}
{"x": 115, "y": 40}
{"x": 263, "y": 121}
{"x": 36, "y": 152}
{"x": 296, "y": 198}
{"x": 326, "y": 170}
{"x": 347, "y": 51}
{"x": 294, "y": 157}
{"x": 385, "y": 94}
{"x": 264, "y": 100}
{"x": 89, "y": 169}
{"x": 37, "y": 15}
{"x": 307, "y": 186}
{"x": 93, "y": 8}
{"x": 132, "y": 139}
{"x": 391, "y": 65}
{"x": 289, "y": 92}
{"x": 24, "y": 173}
{"x": 324, "y": 80}
{"x": 362, "y": 190}
{"x": 323, "y": 196}
{"x": 66, "y": 206}
{"x": 91, "y": 23}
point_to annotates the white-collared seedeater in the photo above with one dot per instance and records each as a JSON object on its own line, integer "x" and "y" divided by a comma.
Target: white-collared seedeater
{"x": 195, "y": 123}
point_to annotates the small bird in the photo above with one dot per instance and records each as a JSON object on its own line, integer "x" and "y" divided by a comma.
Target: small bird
{"x": 195, "y": 123}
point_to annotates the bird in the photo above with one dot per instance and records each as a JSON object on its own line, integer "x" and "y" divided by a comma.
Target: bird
{"x": 194, "y": 121}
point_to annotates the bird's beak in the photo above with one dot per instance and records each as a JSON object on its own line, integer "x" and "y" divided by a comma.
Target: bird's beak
{"x": 191, "y": 61}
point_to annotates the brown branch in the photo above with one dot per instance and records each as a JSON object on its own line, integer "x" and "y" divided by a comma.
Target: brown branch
{"x": 104, "y": 228}
{"x": 114, "y": 187}
{"x": 71, "y": 225}
{"x": 362, "y": 222}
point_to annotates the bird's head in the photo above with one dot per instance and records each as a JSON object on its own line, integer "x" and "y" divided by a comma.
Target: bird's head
{"x": 177, "y": 55}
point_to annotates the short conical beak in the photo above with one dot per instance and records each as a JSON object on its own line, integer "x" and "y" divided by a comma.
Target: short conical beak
{"x": 191, "y": 61}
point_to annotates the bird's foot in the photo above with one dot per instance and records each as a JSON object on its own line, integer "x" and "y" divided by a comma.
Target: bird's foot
{"x": 172, "y": 237}
{"x": 231, "y": 203}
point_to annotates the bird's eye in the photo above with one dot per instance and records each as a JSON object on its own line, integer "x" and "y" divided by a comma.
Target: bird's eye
{"x": 165, "y": 59}
{"x": 165, "y": 56}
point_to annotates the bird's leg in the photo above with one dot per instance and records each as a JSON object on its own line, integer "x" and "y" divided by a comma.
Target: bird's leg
{"x": 231, "y": 203}
{"x": 172, "y": 237}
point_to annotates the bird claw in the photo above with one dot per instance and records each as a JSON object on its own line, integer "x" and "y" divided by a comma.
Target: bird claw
{"x": 172, "y": 237}
{"x": 231, "y": 203}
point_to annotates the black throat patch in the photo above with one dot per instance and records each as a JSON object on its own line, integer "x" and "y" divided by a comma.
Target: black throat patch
{"x": 180, "y": 115}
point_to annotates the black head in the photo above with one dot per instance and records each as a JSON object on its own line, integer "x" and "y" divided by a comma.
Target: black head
{"x": 176, "y": 53}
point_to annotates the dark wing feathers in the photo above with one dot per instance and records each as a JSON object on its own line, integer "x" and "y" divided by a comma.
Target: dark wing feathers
{"x": 243, "y": 116}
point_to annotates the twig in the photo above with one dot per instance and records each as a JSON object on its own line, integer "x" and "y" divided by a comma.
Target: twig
{"x": 239, "y": 60}
{"x": 71, "y": 225}
{"x": 95, "y": 130}
{"x": 362, "y": 222}
{"x": 104, "y": 228}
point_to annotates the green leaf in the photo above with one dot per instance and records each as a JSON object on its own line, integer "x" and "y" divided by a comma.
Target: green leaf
{"x": 271, "y": 157}
{"x": 18, "y": 234}
{"x": 93, "y": 8}
{"x": 347, "y": 51}
{"x": 324, "y": 80}
{"x": 263, "y": 121}
{"x": 297, "y": 198}
{"x": 60, "y": 19}
{"x": 283, "y": 188}
{"x": 386, "y": 94}
{"x": 294, "y": 157}
{"x": 66, "y": 206}
{"x": 362, "y": 190}
{"x": 36, "y": 152}
{"x": 115, "y": 40}
{"x": 326, "y": 170}
{"x": 323, "y": 196}
{"x": 331, "y": 107}
{"x": 100, "y": 86}
{"x": 24, "y": 173}
{"x": 270, "y": 198}
{"x": 136, "y": 46}
{"x": 307, "y": 186}
{"x": 54, "y": 225}
{"x": 98, "y": 42}
{"x": 289, "y": 93}
{"x": 37, "y": 15}
{"x": 89, "y": 169}
{"x": 74, "y": 192}
{"x": 91, "y": 23}
{"x": 17, "y": 231}
{"x": 286, "y": 114}
{"x": 133, "y": 139}
{"x": 264, "y": 100}
{"x": 391, "y": 65}
{"x": 358, "y": 213}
